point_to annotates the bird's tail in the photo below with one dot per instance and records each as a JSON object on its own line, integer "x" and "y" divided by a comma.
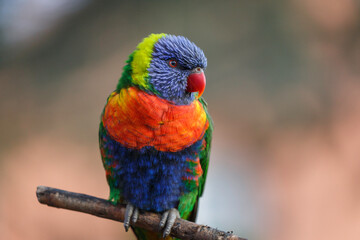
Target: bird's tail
{"x": 142, "y": 234}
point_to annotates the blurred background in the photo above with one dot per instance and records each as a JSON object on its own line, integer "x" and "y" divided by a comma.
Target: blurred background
{"x": 283, "y": 89}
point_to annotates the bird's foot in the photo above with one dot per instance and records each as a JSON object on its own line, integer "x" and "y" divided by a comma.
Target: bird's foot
{"x": 131, "y": 214}
{"x": 168, "y": 219}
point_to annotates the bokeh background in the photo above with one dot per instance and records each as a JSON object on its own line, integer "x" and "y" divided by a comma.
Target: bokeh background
{"x": 283, "y": 89}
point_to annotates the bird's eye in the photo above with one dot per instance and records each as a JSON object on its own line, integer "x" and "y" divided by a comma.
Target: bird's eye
{"x": 173, "y": 63}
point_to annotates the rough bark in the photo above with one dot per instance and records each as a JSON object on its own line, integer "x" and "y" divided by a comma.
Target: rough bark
{"x": 102, "y": 208}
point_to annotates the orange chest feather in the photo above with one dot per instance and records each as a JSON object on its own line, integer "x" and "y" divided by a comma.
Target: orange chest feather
{"x": 137, "y": 119}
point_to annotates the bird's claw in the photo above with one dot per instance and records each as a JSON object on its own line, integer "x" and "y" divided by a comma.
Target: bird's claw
{"x": 131, "y": 214}
{"x": 167, "y": 220}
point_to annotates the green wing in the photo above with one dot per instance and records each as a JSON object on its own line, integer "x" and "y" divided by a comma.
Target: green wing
{"x": 189, "y": 202}
{"x": 109, "y": 164}
{"x": 205, "y": 153}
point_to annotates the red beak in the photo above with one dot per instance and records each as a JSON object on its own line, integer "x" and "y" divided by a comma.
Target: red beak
{"x": 196, "y": 81}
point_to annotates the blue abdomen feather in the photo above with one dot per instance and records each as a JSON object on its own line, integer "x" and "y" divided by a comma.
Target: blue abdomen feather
{"x": 149, "y": 179}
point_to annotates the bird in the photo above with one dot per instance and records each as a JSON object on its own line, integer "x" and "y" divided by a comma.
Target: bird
{"x": 155, "y": 133}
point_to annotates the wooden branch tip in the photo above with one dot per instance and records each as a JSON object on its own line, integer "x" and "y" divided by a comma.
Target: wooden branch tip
{"x": 182, "y": 229}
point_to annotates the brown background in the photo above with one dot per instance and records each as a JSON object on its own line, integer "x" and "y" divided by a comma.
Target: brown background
{"x": 283, "y": 90}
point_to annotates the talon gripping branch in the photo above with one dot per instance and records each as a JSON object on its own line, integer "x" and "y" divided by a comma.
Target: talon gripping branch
{"x": 155, "y": 132}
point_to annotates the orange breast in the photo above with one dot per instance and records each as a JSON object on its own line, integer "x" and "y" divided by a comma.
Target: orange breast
{"x": 137, "y": 119}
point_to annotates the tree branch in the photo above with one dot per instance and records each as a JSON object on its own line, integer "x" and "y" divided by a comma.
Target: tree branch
{"x": 182, "y": 229}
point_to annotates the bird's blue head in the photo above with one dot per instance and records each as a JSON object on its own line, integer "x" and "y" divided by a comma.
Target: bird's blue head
{"x": 172, "y": 67}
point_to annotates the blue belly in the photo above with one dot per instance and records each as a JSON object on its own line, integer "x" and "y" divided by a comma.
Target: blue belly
{"x": 150, "y": 179}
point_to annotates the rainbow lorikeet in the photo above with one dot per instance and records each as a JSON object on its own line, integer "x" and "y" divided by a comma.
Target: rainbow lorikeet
{"x": 155, "y": 132}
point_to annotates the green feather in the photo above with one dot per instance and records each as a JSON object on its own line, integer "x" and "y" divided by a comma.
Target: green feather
{"x": 115, "y": 193}
{"x": 205, "y": 154}
{"x": 188, "y": 202}
{"x": 126, "y": 81}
